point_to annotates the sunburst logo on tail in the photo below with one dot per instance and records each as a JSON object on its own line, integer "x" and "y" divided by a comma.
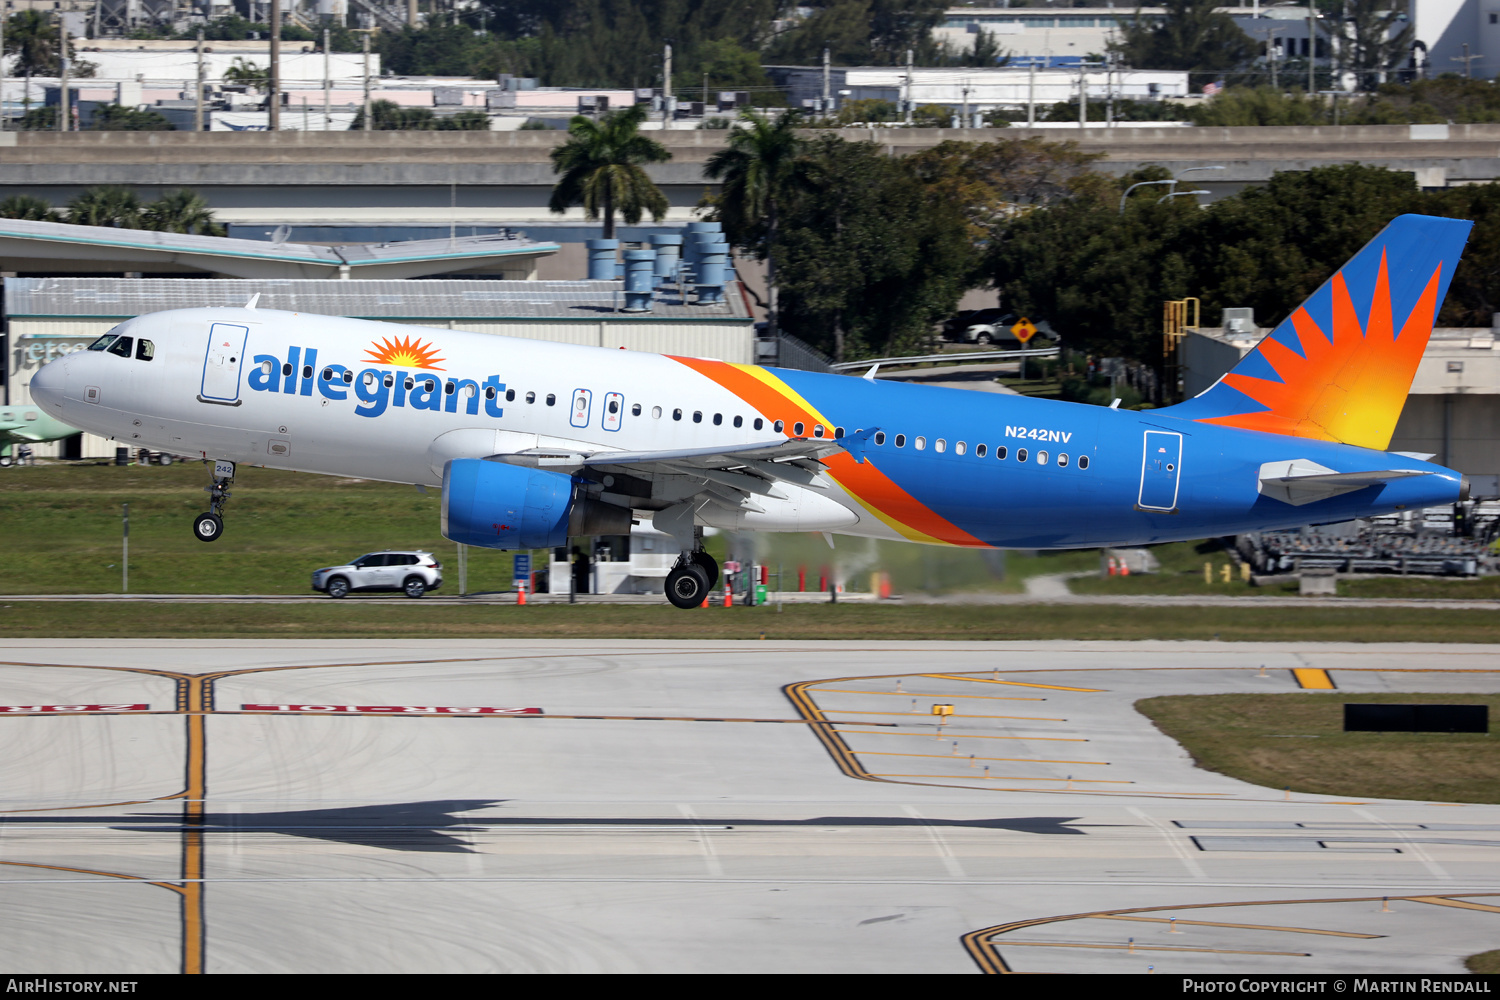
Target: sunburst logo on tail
{"x": 405, "y": 352}
{"x": 1349, "y": 381}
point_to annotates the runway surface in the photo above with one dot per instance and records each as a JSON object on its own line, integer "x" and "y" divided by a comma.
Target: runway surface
{"x": 650, "y": 806}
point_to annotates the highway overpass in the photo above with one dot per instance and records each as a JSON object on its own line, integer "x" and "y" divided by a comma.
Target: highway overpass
{"x": 261, "y": 180}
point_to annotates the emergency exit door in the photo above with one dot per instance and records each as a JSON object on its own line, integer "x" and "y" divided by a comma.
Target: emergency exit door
{"x": 222, "y": 361}
{"x": 1161, "y": 470}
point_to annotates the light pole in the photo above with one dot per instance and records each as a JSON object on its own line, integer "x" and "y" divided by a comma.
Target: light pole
{"x": 1173, "y": 180}
{"x": 1179, "y": 194}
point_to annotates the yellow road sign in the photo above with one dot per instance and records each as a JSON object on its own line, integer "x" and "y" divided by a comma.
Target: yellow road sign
{"x": 1024, "y": 329}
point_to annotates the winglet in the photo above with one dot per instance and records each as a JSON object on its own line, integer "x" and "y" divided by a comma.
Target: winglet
{"x": 856, "y": 443}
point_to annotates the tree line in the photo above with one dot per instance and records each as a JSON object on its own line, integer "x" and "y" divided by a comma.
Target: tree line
{"x": 866, "y": 252}
{"x": 177, "y": 211}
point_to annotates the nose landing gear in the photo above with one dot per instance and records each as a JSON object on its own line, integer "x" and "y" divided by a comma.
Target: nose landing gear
{"x": 207, "y": 527}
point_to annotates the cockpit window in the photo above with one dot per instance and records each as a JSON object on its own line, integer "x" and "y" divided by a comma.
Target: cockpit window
{"x": 103, "y": 342}
{"x": 121, "y": 346}
{"x": 145, "y": 350}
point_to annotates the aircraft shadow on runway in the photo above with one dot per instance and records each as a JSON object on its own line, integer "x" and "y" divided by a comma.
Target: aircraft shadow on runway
{"x": 437, "y": 826}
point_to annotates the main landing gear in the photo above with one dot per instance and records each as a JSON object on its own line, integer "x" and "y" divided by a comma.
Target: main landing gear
{"x": 207, "y": 527}
{"x": 690, "y": 580}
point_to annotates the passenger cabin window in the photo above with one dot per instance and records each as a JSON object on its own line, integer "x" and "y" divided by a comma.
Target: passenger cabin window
{"x": 656, "y": 413}
{"x": 510, "y": 395}
{"x": 613, "y": 406}
{"x": 306, "y": 370}
{"x": 286, "y": 369}
{"x": 1083, "y": 461}
{"x": 817, "y": 430}
{"x": 900, "y": 440}
{"x": 390, "y": 379}
{"x": 921, "y": 443}
{"x": 739, "y": 421}
{"x": 551, "y": 399}
{"x": 960, "y": 448}
{"x": 697, "y": 416}
{"x": 979, "y": 450}
{"x": 531, "y": 397}
{"x": 677, "y": 413}
{"x": 145, "y": 350}
{"x": 1062, "y": 460}
{"x": 940, "y": 445}
{"x": 1020, "y": 454}
{"x": 778, "y": 426}
{"x": 838, "y": 432}
{"x": 759, "y": 423}
{"x": 121, "y": 346}
{"x": 268, "y": 366}
{"x": 798, "y": 428}
{"x": 635, "y": 410}
{"x": 1001, "y": 452}
{"x": 880, "y": 437}
{"x": 1041, "y": 458}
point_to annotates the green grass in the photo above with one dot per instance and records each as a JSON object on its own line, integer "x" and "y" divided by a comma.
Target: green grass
{"x": 65, "y": 537}
{"x": 1486, "y": 963}
{"x": 64, "y": 530}
{"x": 1297, "y": 740}
{"x": 397, "y": 617}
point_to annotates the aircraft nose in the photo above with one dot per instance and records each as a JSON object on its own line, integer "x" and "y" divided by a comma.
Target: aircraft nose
{"x": 49, "y": 384}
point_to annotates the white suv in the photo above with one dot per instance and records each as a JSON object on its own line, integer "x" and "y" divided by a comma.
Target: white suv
{"x": 414, "y": 573}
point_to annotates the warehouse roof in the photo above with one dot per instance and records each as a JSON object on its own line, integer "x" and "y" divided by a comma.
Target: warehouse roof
{"x": 431, "y": 300}
{"x": 23, "y": 243}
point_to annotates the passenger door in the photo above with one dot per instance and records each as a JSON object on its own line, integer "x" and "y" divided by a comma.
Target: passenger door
{"x": 1161, "y": 470}
{"x": 222, "y": 361}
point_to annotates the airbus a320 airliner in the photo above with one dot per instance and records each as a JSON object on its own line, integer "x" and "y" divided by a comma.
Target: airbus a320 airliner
{"x": 533, "y": 442}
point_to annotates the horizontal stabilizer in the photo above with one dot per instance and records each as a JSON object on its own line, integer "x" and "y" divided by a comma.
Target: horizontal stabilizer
{"x": 1300, "y": 481}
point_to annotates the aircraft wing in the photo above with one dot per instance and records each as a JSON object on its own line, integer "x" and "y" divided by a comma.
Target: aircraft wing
{"x": 1299, "y": 481}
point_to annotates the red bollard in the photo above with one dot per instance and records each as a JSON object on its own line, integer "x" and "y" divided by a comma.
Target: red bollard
{"x": 801, "y": 579}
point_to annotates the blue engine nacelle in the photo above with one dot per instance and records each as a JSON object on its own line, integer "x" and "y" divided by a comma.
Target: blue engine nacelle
{"x": 499, "y": 506}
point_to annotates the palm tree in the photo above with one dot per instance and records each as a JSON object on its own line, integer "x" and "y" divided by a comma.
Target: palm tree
{"x": 31, "y": 37}
{"x": 26, "y": 206}
{"x": 755, "y": 169}
{"x": 601, "y": 168}
{"x": 106, "y": 206}
{"x": 181, "y": 211}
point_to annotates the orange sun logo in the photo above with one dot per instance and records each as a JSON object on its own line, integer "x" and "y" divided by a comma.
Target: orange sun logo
{"x": 404, "y": 352}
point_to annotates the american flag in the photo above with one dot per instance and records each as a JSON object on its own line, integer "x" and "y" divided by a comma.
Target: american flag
{"x": 1210, "y": 89}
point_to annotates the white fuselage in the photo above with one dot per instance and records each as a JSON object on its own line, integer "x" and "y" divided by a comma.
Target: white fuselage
{"x": 329, "y": 395}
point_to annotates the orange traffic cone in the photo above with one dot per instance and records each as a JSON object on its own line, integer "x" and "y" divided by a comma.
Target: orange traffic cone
{"x": 521, "y": 595}
{"x": 728, "y": 598}
{"x": 1124, "y": 568}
